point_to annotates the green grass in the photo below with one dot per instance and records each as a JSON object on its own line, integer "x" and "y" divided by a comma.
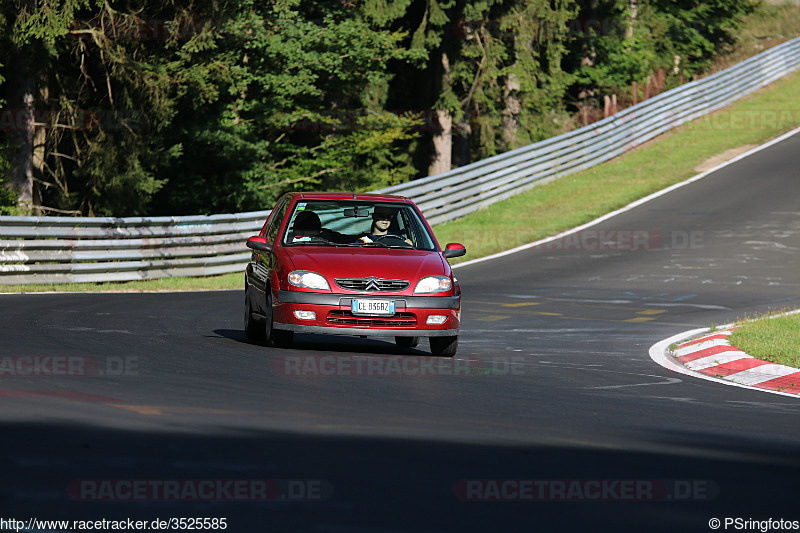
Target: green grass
{"x": 775, "y": 22}
{"x": 771, "y": 338}
{"x": 669, "y": 159}
{"x": 210, "y": 283}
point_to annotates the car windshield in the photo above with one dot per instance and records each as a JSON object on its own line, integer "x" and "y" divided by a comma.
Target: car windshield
{"x": 357, "y": 223}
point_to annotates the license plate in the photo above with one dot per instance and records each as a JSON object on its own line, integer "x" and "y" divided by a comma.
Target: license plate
{"x": 372, "y": 307}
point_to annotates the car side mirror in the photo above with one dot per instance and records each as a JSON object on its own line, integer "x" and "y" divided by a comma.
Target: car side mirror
{"x": 259, "y": 244}
{"x": 454, "y": 249}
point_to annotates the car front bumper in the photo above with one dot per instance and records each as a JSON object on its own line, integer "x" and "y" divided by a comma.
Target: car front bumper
{"x": 333, "y": 315}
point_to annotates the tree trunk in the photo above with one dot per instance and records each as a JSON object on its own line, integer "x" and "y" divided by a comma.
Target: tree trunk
{"x": 442, "y": 157}
{"x": 22, "y": 88}
{"x": 442, "y": 144}
{"x": 634, "y": 13}
{"x": 39, "y": 152}
{"x": 461, "y": 137}
{"x": 512, "y": 110}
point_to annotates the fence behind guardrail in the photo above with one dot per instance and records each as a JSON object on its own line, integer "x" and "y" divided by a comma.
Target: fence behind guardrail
{"x": 67, "y": 250}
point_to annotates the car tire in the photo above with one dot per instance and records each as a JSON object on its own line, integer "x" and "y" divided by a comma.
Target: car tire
{"x": 406, "y": 342}
{"x": 444, "y": 346}
{"x": 278, "y": 338}
{"x": 253, "y": 329}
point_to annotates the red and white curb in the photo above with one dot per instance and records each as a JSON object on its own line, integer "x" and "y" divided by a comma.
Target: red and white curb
{"x": 710, "y": 356}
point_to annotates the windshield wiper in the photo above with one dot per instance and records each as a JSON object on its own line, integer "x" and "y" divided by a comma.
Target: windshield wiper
{"x": 320, "y": 241}
{"x": 316, "y": 241}
{"x": 384, "y": 245}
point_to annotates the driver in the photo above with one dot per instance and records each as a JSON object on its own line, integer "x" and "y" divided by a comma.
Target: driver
{"x": 381, "y": 220}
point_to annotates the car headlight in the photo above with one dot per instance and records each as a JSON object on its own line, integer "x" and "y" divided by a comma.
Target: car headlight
{"x": 433, "y": 284}
{"x": 308, "y": 280}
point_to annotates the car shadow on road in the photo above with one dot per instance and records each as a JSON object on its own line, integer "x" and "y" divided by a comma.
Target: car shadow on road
{"x": 332, "y": 343}
{"x": 261, "y": 480}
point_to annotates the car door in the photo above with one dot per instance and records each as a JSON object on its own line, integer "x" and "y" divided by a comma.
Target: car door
{"x": 264, "y": 263}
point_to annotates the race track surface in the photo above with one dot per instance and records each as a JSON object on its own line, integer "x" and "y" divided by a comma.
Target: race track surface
{"x": 552, "y": 405}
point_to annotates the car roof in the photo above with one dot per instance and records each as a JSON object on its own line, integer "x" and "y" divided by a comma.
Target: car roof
{"x": 350, "y": 196}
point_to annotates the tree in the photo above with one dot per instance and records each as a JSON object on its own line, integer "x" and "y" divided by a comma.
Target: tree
{"x": 492, "y": 75}
{"x": 617, "y": 43}
{"x": 696, "y": 30}
{"x": 139, "y": 107}
{"x": 199, "y": 107}
{"x": 30, "y": 29}
{"x": 612, "y": 48}
{"x": 76, "y": 145}
{"x": 299, "y": 105}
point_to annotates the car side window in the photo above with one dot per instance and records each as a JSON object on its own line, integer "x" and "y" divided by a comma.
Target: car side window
{"x": 416, "y": 231}
{"x": 272, "y": 230}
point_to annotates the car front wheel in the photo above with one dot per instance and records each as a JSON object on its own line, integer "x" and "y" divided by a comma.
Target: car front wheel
{"x": 444, "y": 346}
{"x": 275, "y": 337}
{"x": 406, "y": 342}
{"x": 253, "y": 329}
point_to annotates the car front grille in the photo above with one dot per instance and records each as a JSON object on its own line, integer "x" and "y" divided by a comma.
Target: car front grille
{"x": 396, "y": 320}
{"x": 372, "y": 284}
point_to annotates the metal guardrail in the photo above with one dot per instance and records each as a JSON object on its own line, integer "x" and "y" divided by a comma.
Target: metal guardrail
{"x": 466, "y": 189}
{"x": 99, "y": 249}
{"x": 70, "y": 250}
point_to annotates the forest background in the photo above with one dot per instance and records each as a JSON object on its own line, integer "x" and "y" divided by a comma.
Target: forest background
{"x": 139, "y": 107}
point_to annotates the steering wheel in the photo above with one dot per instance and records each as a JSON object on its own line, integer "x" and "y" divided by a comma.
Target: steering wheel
{"x": 390, "y": 240}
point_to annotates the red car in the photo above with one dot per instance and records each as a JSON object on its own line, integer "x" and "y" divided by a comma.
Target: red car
{"x": 351, "y": 264}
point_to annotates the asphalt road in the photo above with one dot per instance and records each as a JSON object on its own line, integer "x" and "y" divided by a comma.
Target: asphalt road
{"x": 551, "y": 418}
